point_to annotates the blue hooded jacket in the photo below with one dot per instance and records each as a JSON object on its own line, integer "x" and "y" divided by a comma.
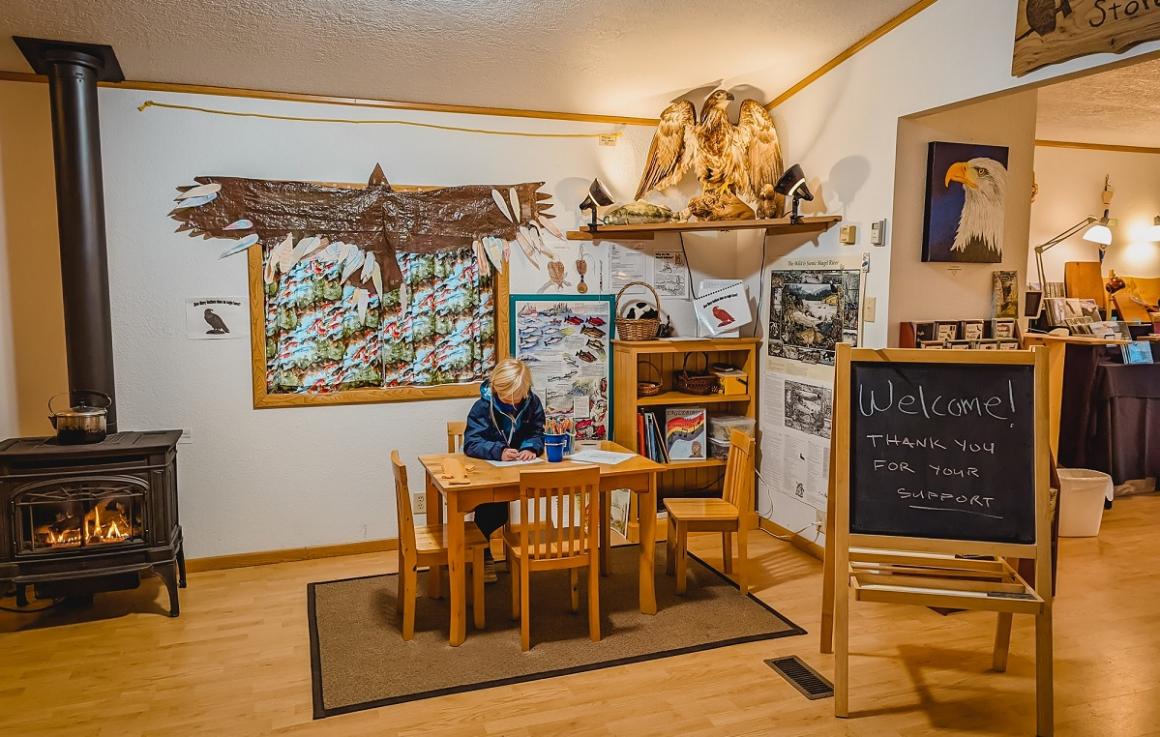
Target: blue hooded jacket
{"x": 490, "y": 425}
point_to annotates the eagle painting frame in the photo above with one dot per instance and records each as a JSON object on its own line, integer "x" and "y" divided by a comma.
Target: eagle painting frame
{"x": 966, "y": 202}
{"x": 264, "y": 398}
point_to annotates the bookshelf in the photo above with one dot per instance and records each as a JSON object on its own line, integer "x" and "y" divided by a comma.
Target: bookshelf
{"x": 680, "y": 478}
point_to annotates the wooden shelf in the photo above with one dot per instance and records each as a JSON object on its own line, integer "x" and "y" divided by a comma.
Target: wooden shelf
{"x": 648, "y": 231}
{"x": 687, "y": 465}
{"x": 686, "y": 345}
{"x": 682, "y": 398}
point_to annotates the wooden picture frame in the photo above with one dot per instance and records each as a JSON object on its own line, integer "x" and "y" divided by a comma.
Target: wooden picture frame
{"x": 264, "y": 399}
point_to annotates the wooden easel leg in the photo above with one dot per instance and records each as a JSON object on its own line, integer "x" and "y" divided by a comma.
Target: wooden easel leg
{"x": 827, "y": 634}
{"x": 1002, "y": 642}
{"x": 841, "y": 625}
{"x": 1044, "y": 688}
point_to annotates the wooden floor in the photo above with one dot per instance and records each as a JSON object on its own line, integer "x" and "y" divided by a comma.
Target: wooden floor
{"x": 236, "y": 663}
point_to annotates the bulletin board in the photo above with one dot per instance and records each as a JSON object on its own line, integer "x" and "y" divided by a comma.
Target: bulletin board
{"x": 566, "y": 341}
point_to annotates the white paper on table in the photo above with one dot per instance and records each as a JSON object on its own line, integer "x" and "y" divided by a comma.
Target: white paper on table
{"x": 502, "y": 464}
{"x": 606, "y": 457}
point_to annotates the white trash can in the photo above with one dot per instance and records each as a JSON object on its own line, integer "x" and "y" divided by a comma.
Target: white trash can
{"x": 1081, "y": 501}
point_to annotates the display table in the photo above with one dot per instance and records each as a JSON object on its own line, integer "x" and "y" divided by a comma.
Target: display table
{"x": 1123, "y": 438}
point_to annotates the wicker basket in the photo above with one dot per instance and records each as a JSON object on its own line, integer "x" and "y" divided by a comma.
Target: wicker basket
{"x": 646, "y": 387}
{"x": 629, "y": 329}
{"x": 695, "y": 382}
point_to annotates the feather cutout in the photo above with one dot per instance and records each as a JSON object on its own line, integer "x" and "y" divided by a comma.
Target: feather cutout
{"x": 333, "y": 252}
{"x": 516, "y": 211}
{"x": 305, "y": 246}
{"x": 507, "y": 251}
{"x": 550, "y": 228}
{"x": 269, "y": 273}
{"x": 199, "y": 191}
{"x": 242, "y": 224}
{"x": 481, "y": 258}
{"x": 283, "y": 254}
{"x": 196, "y": 201}
{"x": 377, "y": 280}
{"x": 533, "y": 234}
{"x": 494, "y": 248}
{"x": 526, "y": 246}
{"x": 368, "y": 267}
{"x": 240, "y": 246}
{"x": 353, "y": 263}
{"x": 362, "y": 298}
{"x": 501, "y": 204}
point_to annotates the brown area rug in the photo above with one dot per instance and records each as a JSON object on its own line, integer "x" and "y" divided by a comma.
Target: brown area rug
{"x": 360, "y": 661}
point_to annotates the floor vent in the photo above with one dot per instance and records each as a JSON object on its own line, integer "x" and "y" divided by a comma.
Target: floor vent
{"x": 802, "y": 677}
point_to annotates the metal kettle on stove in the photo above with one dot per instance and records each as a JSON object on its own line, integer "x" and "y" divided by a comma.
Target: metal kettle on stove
{"x": 83, "y": 423}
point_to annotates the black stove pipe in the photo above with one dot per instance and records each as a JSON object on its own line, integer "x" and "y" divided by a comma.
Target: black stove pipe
{"x": 73, "y": 71}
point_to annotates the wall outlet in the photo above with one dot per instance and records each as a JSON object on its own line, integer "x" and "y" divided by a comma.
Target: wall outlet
{"x": 419, "y": 503}
{"x": 820, "y": 517}
{"x": 870, "y": 309}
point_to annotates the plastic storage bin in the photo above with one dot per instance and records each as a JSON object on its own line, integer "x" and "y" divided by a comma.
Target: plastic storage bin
{"x": 1081, "y": 501}
{"x": 721, "y": 425}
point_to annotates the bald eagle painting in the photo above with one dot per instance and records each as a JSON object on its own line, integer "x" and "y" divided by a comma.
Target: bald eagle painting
{"x": 966, "y": 201}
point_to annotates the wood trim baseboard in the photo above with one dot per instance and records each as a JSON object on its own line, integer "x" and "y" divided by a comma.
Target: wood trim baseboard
{"x": 289, "y": 555}
{"x": 862, "y": 43}
{"x": 794, "y": 539}
{"x": 436, "y": 107}
{"x": 1098, "y": 147}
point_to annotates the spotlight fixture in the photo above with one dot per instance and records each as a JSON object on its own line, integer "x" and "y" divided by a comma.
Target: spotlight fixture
{"x": 598, "y": 195}
{"x": 793, "y": 185}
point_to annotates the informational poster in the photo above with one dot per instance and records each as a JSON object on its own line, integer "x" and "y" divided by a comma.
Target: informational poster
{"x": 567, "y": 343}
{"x": 670, "y": 275}
{"x": 217, "y": 318}
{"x": 813, "y": 306}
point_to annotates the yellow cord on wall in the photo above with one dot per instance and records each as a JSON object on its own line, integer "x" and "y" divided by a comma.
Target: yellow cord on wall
{"x": 354, "y": 121}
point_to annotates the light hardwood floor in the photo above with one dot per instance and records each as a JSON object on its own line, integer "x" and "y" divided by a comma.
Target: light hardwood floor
{"x": 236, "y": 662}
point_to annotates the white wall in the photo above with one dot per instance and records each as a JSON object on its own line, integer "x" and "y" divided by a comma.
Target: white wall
{"x": 1070, "y": 183}
{"x": 843, "y": 130}
{"x": 943, "y": 291}
{"x": 280, "y": 478}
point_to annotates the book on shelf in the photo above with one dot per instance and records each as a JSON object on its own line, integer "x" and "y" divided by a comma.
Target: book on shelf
{"x": 685, "y": 433}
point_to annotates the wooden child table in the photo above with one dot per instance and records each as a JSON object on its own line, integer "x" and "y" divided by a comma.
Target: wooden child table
{"x": 488, "y": 483}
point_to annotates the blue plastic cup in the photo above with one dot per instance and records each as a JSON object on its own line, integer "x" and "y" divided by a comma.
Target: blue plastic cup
{"x": 555, "y": 446}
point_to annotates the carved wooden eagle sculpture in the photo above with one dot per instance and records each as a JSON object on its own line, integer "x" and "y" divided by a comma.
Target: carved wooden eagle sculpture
{"x": 364, "y": 228}
{"x": 737, "y": 165}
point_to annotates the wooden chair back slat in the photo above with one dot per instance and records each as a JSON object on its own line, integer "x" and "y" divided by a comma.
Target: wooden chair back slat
{"x": 403, "y": 507}
{"x": 570, "y": 497}
{"x": 739, "y": 472}
{"x": 455, "y": 433}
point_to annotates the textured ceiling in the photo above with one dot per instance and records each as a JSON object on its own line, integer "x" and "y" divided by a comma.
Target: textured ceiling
{"x": 614, "y": 57}
{"x": 1120, "y": 107}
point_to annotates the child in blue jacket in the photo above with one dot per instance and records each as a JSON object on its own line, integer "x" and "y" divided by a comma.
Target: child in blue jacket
{"x": 505, "y": 424}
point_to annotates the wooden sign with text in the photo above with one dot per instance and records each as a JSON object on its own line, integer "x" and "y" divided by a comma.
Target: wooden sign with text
{"x": 1051, "y": 31}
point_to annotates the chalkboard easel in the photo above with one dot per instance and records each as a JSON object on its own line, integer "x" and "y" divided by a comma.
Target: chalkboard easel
{"x": 939, "y": 475}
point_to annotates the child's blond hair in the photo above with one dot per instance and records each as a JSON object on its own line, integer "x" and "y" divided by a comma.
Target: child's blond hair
{"x": 511, "y": 379}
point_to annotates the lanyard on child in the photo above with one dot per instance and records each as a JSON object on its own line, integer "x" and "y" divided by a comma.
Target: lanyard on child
{"x": 515, "y": 421}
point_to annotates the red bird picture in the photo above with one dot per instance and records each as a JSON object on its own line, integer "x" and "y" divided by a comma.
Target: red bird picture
{"x": 722, "y": 315}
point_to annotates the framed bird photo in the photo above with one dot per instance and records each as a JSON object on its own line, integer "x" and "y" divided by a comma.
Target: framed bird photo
{"x": 966, "y": 203}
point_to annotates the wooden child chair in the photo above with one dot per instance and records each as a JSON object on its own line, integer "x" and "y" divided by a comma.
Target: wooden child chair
{"x": 733, "y": 512}
{"x": 455, "y": 433}
{"x": 572, "y": 496}
{"x": 427, "y": 546}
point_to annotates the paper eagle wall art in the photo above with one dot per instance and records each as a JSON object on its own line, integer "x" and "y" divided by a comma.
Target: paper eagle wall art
{"x": 966, "y": 202}
{"x": 334, "y": 259}
{"x": 737, "y": 165}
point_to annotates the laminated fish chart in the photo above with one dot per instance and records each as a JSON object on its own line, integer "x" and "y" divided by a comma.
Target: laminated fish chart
{"x": 567, "y": 344}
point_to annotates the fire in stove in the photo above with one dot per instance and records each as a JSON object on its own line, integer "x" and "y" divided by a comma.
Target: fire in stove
{"x": 107, "y": 522}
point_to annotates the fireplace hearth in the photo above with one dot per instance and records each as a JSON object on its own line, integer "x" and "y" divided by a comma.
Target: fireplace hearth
{"x": 78, "y": 519}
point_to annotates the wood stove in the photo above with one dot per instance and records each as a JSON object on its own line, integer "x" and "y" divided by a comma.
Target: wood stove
{"x": 78, "y": 519}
